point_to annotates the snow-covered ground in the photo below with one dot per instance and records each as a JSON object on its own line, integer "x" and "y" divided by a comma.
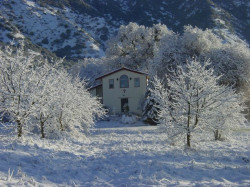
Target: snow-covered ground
{"x": 118, "y": 154}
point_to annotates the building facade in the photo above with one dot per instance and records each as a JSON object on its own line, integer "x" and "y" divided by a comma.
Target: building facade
{"x": 122, "y": 90}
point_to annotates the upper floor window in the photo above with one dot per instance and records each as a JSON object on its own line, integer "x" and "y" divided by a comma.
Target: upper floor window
{"x": 137, "y": 82}
{"x": 124, "y": 81}
{"x": 111, "y": 83}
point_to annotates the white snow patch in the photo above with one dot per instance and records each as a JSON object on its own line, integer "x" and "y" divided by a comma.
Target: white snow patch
{"x": 30, "y": 3}
{"x": 37, "y": 14}
{"x": 94, "y": 50}
{"x": 220, "y": 21}
{"x": 216, "y": 9}
{"x": 19, "y": 35}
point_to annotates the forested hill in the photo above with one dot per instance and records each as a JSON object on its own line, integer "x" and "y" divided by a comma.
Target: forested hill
{"x": 79, "y": 28}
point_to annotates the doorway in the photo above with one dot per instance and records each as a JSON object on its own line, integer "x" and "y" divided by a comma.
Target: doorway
{"x": 124, "y": 105}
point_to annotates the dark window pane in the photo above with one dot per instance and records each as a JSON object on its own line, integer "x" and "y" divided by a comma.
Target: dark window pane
{"x": 111, "y": 83}
{"x": 124, "y": 81}
{"x": 137, "y": 82}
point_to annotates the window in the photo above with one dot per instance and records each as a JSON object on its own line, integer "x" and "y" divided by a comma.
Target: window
{"x": 124, "y": 81}
{"x": 137, "y": 82}
{"x": 111, "y": 83}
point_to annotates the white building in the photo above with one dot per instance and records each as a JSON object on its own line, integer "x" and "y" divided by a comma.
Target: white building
{"x": 121, "y": 90}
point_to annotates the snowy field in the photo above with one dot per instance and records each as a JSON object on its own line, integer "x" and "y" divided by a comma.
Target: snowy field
{"x": 123, "y": 155}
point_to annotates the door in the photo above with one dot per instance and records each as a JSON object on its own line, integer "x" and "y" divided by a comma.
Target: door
{"x": 124, "y": 105}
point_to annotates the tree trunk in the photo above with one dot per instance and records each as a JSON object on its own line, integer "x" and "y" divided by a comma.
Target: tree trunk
{"x": 42, "y": 129}
{"x": 197, "y": 110}
{"x": 188, "y": 140}
{"x": 217, "y": 135}
{"x": 42, "y": 125}
{"x": 19, "y": 128}
{"x": 188, "y": 127}
{"x": 60, "y": 122}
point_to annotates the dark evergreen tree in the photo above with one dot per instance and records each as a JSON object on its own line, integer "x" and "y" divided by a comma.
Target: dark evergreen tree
{"x": 150, "y": 105}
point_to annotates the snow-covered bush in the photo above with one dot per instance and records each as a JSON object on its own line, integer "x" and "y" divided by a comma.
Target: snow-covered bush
{"x": 195, "y": 102}
{"x": 128, "y": 119}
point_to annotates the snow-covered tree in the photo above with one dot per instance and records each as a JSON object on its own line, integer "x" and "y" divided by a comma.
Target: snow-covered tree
{"x": 90, "y": 68}
{"x": 229, "y": 58}
{"x": 133, "y": 46}
{"x": 159, "y": 50}
{"x": 150, "y": 105}
{"x": 65, "y": 105}
{"x": 47, "y": 99}
{"x": 168, "y": 55}
{"x": 75, "y": 109}
{"x": 232, "y": 60}
{"x": 18, "y": 81}
{"x": 196, "y": 42}
{"x": 35, "y": 93}
{"x": 195, "y": 102}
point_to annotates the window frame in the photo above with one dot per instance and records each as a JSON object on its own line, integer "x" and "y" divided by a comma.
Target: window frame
{"x": 111, "y": 84}
{"x": 139, "y": 85}
{"x": 127, "y": 79}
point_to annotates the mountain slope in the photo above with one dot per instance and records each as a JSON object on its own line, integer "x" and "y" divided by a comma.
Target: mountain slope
{"x": 49, "y": 28}
{"x": 78, "y": 29}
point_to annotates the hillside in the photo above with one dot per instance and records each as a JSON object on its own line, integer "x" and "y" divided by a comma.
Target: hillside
{"x": 78, "y": 29}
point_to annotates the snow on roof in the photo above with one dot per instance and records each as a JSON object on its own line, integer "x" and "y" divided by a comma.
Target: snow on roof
{"x": 120, "y": 69}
